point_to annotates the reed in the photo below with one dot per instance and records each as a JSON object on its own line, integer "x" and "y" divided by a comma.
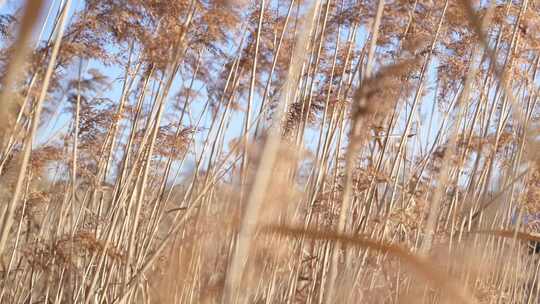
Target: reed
{"x": 269, "y": 151}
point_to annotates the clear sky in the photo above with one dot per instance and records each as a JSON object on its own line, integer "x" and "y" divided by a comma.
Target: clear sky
{"x": 61, "y": 119}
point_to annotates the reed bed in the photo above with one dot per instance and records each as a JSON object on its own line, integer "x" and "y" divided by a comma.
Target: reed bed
{"x": 270, "y": 151}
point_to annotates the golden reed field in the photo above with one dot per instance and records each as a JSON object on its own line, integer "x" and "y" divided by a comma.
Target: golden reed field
{"x": 269, "y": 151}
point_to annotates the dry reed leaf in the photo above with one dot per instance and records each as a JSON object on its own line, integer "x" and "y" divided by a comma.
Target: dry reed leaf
{"x": 522, "y": 236}
{"x": 17, "y": 62}
{"x": 422, "y": 266}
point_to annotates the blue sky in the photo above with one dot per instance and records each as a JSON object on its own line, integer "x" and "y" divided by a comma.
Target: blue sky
{"x": 61, "y": 120}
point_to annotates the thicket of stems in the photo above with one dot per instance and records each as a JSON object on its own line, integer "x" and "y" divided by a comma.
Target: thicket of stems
{"x": 336, "y": 151}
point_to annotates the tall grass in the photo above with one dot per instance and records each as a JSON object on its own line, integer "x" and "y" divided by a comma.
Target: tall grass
{"x": 269, "y": 152}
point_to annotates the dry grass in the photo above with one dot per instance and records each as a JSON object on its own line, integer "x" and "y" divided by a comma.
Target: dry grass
{"x": 269, "y": 152}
